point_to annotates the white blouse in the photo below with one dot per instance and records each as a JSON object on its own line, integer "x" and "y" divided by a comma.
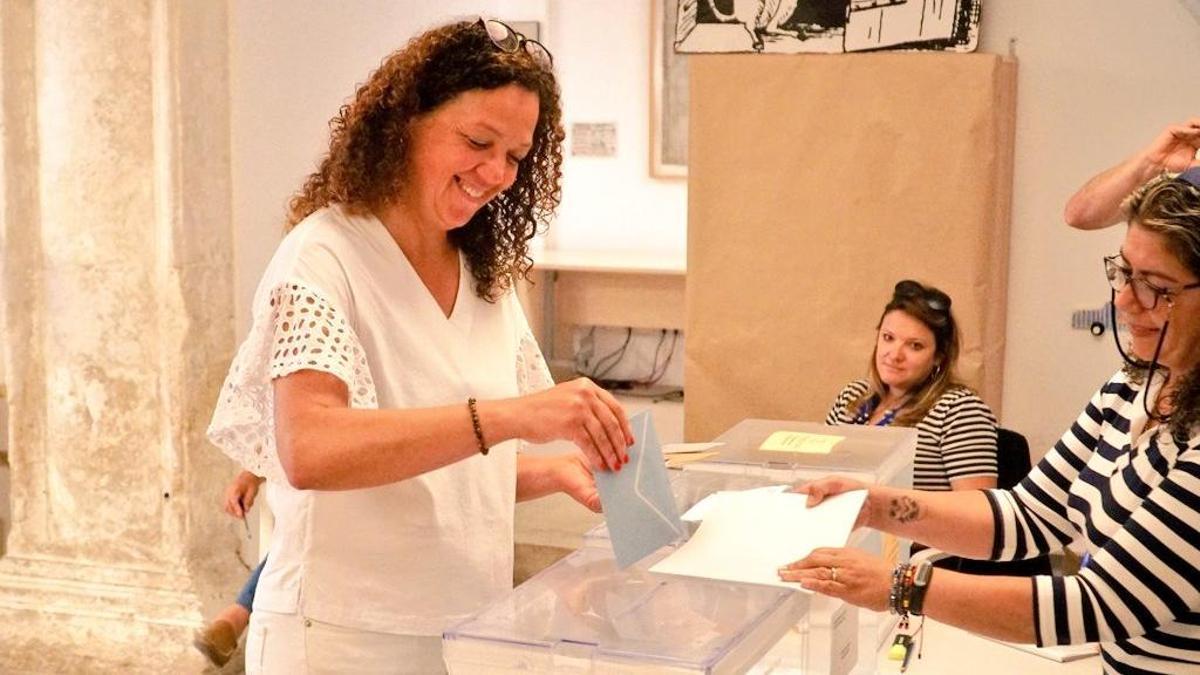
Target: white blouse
{"x": 339, "y": 296}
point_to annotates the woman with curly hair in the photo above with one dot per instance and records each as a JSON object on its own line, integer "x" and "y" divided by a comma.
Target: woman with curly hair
{"x": 1124, "y": 480}
{"x": 390, "y": 373}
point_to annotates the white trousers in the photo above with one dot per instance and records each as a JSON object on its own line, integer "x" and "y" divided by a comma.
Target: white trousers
{"x": 290, "y": 644}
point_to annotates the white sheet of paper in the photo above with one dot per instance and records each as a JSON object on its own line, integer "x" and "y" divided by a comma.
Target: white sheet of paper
{"x": 747, "y": 536}
{"x": 681, "y": 448}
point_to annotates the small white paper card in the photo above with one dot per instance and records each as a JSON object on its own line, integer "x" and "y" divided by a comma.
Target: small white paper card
{"x": 685, "y": 448}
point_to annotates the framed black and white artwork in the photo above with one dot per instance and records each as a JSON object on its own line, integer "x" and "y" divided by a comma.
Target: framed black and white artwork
{"x": 668, "y": 95}
{"x": 825, "y": 26}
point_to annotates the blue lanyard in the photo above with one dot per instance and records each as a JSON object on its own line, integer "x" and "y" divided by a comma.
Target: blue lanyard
{"x": 864, "y": 414}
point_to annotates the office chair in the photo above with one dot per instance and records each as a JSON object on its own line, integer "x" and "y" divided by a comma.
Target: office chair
{"x": 1012, "y": 458}
{"x": 1012, "y": 465}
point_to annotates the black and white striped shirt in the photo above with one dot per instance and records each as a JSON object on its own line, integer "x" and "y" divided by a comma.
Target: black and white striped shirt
{"x": 1138, "y": 513}
{"x": 956, "y": 438}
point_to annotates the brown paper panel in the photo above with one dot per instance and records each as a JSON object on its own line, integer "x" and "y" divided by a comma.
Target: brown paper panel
{"x": 815, "y": 183}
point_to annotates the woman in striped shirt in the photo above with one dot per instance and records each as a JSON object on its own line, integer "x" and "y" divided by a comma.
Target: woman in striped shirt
{"x": 1124, "y": 480}
{"x": 911, "y": 383}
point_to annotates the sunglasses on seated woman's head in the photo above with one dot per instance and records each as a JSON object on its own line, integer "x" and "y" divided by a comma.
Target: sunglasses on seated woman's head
{"x": 509, "y": 41}
{"x": 933, "y": 298}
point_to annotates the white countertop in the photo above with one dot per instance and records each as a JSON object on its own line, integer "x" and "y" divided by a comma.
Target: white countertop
{"x": 618, "y": 262}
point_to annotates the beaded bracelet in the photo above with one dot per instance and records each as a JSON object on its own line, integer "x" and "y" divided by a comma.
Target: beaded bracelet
{"x": 896, "y": 594}
{"x": 907, "y": 596}
{"x": 909, "y": 572}
{"x": 483, "y": 448}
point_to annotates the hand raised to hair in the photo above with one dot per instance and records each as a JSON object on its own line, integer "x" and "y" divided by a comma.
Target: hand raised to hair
{"x": 583, "y": 413}
{"x": 1175, "y": 148}
{"x": 855, "y": 576}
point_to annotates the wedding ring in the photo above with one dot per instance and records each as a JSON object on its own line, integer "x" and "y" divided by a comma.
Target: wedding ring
{"x": 833, "y": 574}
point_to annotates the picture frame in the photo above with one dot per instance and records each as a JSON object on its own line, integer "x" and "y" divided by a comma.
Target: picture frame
{"x": 668, "y": 95}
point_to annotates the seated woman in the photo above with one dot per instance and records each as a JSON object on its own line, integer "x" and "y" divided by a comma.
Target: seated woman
{"x": 912, "y": 383}
{"x": 1124, "y": 480}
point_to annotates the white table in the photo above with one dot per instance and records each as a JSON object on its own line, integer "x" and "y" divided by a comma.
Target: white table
{"x": 949, "y": 650}
{"x": 624, "y": 288}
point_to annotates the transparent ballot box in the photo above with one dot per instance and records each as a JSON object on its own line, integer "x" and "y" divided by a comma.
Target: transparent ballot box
{"x": 878, "y": 455}
{"x": 827, "y": 640}
{"x": 583, "y": 615}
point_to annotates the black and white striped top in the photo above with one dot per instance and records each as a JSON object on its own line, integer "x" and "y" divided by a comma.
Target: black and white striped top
{"x": 956, "y": 438}
{"x": 1138, "y": 513}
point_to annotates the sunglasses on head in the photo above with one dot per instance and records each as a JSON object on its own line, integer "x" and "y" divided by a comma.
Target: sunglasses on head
{"x": 505, "y": 38}
{"x": 933, "y": 298}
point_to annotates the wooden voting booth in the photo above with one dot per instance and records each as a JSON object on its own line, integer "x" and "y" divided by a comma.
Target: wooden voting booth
{"x": 815, "y": 184}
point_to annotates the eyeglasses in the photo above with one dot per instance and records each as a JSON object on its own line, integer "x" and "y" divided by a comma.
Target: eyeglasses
{"x": 933, "y": 298}
{"x": 509, "y": 41}
{"x": 1146, "y": 293}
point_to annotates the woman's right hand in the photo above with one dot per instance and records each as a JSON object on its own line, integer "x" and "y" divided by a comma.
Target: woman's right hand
{"x": 1175, "y": 148}
{"x": 821, "y": 489}
{"x": 581, "y": 412}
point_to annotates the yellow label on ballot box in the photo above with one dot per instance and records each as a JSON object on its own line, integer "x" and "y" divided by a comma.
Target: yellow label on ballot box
{"x": 799, "y": 441}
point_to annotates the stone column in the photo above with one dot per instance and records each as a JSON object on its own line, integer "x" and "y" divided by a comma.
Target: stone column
{"x": 117, "y": 274}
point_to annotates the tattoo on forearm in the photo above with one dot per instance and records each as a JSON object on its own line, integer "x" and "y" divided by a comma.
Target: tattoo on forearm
{"x": 904, "y": 510}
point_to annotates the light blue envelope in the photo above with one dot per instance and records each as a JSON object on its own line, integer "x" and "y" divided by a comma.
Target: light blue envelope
{"x": 638, "y": 506}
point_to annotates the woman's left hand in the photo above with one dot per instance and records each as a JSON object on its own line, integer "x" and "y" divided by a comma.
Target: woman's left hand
{"x": 575, "y": 479}
{"x": 847, "y": 573}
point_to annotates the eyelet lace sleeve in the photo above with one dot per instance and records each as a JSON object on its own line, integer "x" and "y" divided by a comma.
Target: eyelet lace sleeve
{"x": 533, "y": 375}
{"x": 297, "y": 329}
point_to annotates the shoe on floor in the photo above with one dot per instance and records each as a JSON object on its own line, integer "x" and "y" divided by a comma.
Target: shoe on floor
{"x": 216, "y": 642}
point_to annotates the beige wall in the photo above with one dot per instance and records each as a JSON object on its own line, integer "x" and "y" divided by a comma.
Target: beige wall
{"x": 1098, "y": 79}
